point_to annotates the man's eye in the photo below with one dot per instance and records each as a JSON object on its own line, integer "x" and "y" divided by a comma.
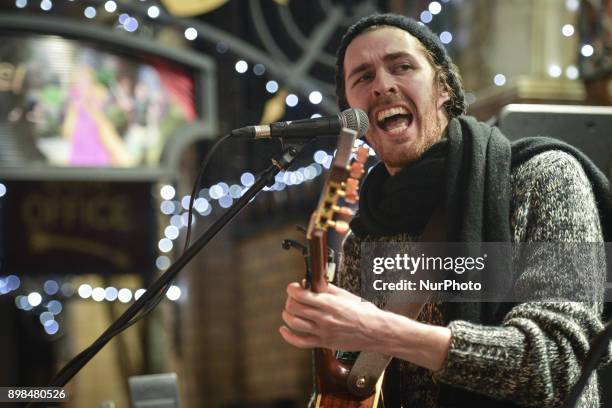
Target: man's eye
{"x": 364, "y": 77}
{"x": 403, "y": 67}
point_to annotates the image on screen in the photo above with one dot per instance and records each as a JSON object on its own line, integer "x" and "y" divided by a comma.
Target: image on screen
{"x": 64, "y": 102}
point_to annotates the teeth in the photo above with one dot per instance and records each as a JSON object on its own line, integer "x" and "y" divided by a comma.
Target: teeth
{"x": 384, "y": 114}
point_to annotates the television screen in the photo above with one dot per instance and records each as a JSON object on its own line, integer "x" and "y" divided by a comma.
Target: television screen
{"x": 68, "y": 103}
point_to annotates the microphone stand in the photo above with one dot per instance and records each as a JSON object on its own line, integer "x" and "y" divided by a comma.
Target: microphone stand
{"x": 280, "y": 162}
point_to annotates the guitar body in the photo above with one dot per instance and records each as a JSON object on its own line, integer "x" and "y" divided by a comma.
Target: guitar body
{"x": 344, "y": 401}
{"x": 330, "y": 384}
{"x": 333, "y": 394}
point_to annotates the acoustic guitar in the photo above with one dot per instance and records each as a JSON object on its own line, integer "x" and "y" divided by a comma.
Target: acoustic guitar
{"x": 331, "y": 368}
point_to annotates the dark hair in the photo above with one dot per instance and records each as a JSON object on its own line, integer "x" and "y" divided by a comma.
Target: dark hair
{"x": 446, "y": 71}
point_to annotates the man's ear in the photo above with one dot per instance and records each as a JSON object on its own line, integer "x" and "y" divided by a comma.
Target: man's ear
{"x": 443, "y": 95}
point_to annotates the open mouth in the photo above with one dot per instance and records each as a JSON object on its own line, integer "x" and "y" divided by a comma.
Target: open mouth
{"x": 394, "y": 119}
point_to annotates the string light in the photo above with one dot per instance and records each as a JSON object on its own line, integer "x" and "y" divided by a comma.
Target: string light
{"x": 426, "y": 17}
{"x": 34, "y": 299}
{"x": 272, "y": 86}
{"x": 247, "y": 179}
{"x": 90, "y": 12}
{"x": 173, "y": 293}
{"x": 567, "y": 30}
{"x": 110, "y": 6}
{"x": 21, "y": 3}
{"x": 130, "y": 25}
{"x": 139, "y": 293}
{"x": 111, "y": 293}
{"x": 259, "y": 69}
{"x": 46, "y": 5}
{"x": 124, "y": 295}
{"x": 226, "y": 201}
{"x": 67, "y": 289}
{"x": 84, "y": 291}
{"x": 315, "y": 97}
{"x": 221, "y": 48}
{"x": 185, "y": 202}
{"x": 572, "y": 5}
{"x": 241, "y": 66}
{"x": 12, "y": 283}
{"x": 153, "y": 11}
{"x": 45, "y": 316}
{"x": 167, "y": 207}
{"x": 55, "y": 307}
{"x": 191, "y": 33}
{"x": 165, "y": 245}
{"x": 291, "y": 100}
{"x": 435, "y": 7}
{"x": 51, "y": 287}
{"x": 446, "y": 37}
{"x": 586, "y": 50}
{"x": 572, "y": 72}
{"x": 98, "y": 294}
{"x": 499, "y": 79}
{"x": 200, "y": 205}
{"x": 167, "y": 192}
{"x": 554, "y": 71}
{"x": 51, "y": 327}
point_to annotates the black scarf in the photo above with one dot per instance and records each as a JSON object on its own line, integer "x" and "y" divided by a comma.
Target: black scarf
{"x": 402, "y": 203}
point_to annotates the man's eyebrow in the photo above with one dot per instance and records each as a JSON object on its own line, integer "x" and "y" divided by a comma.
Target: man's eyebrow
{"x": 389, "y": 57}
{"x": 358, "y": 69}
{"x": 396, "y": 55}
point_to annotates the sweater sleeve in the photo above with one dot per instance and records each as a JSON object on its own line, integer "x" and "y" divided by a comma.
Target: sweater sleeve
{"x": 533, "y": 358}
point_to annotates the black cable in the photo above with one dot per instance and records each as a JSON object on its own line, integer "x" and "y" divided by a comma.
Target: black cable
{"x": 197, "y": 184}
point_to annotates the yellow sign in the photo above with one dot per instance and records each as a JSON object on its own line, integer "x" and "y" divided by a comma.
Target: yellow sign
{"x": 189, "y": 8}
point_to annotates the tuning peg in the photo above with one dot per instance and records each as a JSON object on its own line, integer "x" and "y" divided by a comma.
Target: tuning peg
{"x": 343, "y": 211}
{"x": 291, "y": 244}
{"x": 362, "y": 154}
{"x": 340, "y": 226}
{"x": 356, "y": 170}
{"x": 350, "y": 193}
{"x": 351, "y": 197}
{"x": 352, "y": 184}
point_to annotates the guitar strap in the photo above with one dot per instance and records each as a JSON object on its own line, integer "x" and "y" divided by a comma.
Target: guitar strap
{"x": 369, "y": 366}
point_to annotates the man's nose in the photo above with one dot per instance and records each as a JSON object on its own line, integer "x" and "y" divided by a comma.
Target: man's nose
{"x": 384, "y": 84}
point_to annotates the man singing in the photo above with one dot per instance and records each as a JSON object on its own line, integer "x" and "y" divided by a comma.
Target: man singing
{"x": 460, "y": 355}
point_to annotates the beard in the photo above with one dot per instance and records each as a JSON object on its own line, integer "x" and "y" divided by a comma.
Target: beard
{"x": 431, "y": 131}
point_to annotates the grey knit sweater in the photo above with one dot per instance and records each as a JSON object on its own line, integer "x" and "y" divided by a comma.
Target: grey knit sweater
{"x": 533, "y": 357}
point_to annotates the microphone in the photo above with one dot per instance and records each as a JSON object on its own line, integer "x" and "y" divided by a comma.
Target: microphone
{"x": 307, "y": 129}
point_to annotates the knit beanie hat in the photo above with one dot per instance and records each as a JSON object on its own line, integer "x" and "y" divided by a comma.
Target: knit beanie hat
{"x": 454, "y": 107}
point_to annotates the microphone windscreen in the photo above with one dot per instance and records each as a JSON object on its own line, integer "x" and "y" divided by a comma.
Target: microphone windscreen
{"x": 355, "y": 119}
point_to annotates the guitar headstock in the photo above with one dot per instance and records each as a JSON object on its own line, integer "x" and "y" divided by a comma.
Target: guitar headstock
{"x": 342, "y": 184}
